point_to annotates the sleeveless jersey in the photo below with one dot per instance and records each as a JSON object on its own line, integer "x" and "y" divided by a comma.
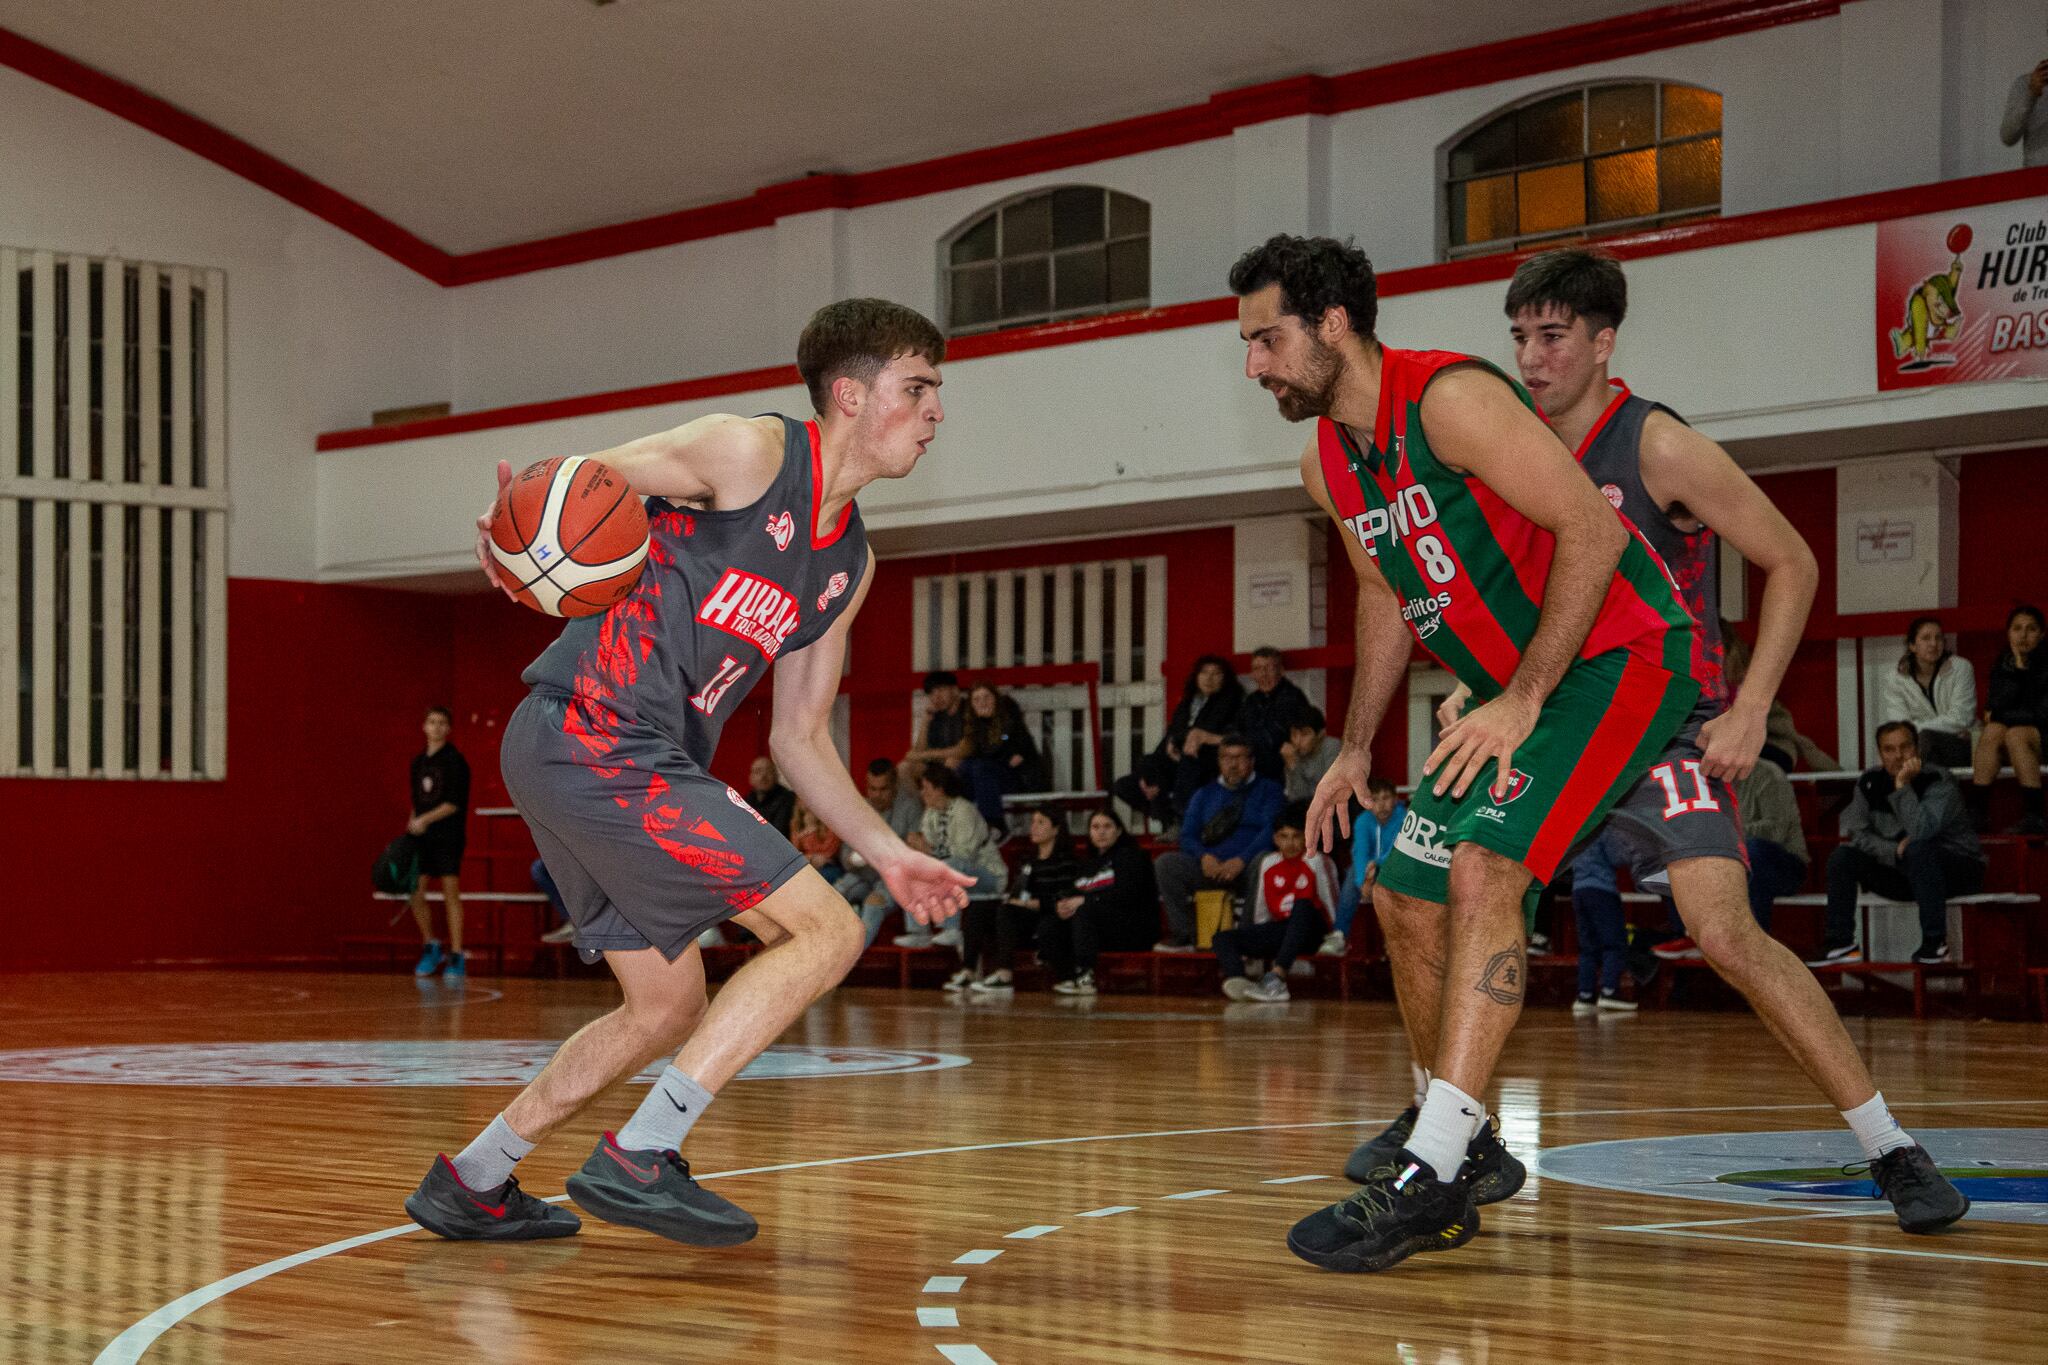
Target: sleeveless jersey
{"x": 1469, "y": 570}
{"x": 723, "y": 595}
{"x": 1612, "y": 455}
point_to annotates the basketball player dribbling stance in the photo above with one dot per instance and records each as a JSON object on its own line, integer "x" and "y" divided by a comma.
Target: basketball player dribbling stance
{"x": 1681, "y": 827}
{"x": 757, "y": 554}
{"x": 1471, "y": 529}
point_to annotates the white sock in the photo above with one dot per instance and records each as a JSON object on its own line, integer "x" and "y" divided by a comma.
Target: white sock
{"x": 664, "y": 1118}
{"x": 1449, "y": 1120}
{"x": 487, "y": 1163}
{"x": 1421, "y": 1074}
{"x": 1875, "y": 1128}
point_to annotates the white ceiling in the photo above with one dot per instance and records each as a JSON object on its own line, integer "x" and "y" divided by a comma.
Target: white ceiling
{"x": 475, "y": 123}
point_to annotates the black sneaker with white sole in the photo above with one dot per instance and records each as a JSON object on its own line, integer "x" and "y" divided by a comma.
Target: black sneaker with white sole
{"x": 1835, "y": 955}
{"x": 1490, "y": 1168}
{"x": 1921, "y": 1195}
{"x": 1933, "y": 952}
{"x": 1381, "y": 1151}
{"x": 1402, "y": 1210}
{"x": 653, "y": 1191}
{"x": 443, "y": 1205}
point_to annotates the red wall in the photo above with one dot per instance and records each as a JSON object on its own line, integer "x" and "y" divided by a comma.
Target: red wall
{"x": 327, "y": 685}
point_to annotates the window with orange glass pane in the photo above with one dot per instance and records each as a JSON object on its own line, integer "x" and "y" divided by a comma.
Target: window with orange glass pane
{"x": 1570, "y": 164}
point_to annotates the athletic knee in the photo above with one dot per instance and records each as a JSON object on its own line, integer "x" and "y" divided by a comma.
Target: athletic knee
{"x": 665, "y": 1020}
{"x": 1728, "y": 939}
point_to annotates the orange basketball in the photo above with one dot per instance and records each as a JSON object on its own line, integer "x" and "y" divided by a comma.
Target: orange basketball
{"x": 570, "y": 535}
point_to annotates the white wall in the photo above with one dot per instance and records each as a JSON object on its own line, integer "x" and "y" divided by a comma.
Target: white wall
{"x": 1034, "y": 439}
{"x": 317, "y": 322}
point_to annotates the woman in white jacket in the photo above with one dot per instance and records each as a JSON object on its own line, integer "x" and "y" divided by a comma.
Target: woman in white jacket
{"x": 1936, "y": 691}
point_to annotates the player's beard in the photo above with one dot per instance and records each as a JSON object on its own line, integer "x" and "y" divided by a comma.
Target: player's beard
{"x": 1316, "y": 391}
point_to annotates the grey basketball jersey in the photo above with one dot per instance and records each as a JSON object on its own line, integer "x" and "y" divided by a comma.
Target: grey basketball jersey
{"x": 724, "y": 594}
{"x": 1612, "y": 455}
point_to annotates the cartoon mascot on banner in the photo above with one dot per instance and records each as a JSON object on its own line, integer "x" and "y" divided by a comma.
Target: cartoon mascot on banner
{"x": 1932, "y": 313}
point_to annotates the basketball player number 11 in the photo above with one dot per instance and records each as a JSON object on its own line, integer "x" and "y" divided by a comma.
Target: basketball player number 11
{"x": 1676, "y": 805}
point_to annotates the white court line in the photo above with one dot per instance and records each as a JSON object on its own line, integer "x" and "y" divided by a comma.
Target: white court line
{"x": 976, "y": 1258}
{"x": 938, "y": 1317}
{"x": 1655, "y": 1231}
{"x": 1112, "y": 1209}
{"x": 1293, "y": 1179}
{"x": 1193, "y": 1194}
{"x": 944, "y": 1284}
{"x": 1760, "y": 1218}
{"x": 967, "y": 1355}
{"x": 1035, "y": 1230}
{"x": 128, "y": 1347}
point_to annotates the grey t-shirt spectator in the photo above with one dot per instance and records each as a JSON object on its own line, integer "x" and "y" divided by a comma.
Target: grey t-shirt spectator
{"x": 2026, "y": 121}
{"x": 1770, "y": 811}
{"x": 1309, "y": 769}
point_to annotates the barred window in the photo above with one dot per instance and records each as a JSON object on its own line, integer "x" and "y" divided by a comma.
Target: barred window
{"x": 1584, "y": 162}
{"x": 113, "y": 518}
{"x": 1062, "y": 253}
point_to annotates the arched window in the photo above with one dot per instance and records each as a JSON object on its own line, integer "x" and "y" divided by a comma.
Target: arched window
{"x": 1588, "y": 161}
{"x": 1061, "y": 253}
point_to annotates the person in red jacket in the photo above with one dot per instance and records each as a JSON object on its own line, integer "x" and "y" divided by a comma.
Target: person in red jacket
{"x": 1294, "y": 892}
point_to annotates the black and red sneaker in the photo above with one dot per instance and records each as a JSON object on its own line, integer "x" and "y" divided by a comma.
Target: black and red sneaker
{"x": 445, "y": 1206}
{"x": 653, "y": 1191}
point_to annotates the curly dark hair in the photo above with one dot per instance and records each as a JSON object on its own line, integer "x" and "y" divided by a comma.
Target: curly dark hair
{"x": 1585, "y": 284}
{"x": 856, "y": 338}
{"x": 1315, "y": 274}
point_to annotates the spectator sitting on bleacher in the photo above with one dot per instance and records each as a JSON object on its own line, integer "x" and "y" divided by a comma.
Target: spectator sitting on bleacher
{"x": 1114, "y": 907}
{"x": 1168, "y": 777}
{"x": 1372, "y": 839}
{"x": 1002, "y": 758}
{"x": 1935, "y": 691}
{"x": 766, "y": 794}
{"x": 905, "y": 815}
{"x": 1908, "y": 838}
{"x": 1603, "y": 929}
{"x": 1776, "y": 841}
{"x": 992, "y": 930}
{"x": 1293, "y": 891}
{"x": 1269, "y": 711}
{"x": 819, "y": 845}
{"x": 1308, "y": 753}
{"x": 1783, "y": 744}
{"x": 1228, "y": 824}
{"x": 954, "y": 833}
{"x": 941, "y": 735}
{"x": 2013, "y": 716}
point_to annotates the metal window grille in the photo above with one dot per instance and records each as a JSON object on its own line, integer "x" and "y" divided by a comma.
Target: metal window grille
{"x": 1072, "y": 252}
{"x": 113, "y": 517}
{"x": 1110, "y": 612}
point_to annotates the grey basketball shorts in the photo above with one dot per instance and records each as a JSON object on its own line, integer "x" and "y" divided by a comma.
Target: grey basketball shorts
{"x": 649, "y": 850}
{"x": 1675, "y": 811}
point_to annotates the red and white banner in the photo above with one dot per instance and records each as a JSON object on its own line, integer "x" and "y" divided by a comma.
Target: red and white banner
{"x": 1963, "y": 296}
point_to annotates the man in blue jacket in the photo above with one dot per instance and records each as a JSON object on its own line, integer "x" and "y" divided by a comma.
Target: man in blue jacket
{"x": 1228, "y": 824}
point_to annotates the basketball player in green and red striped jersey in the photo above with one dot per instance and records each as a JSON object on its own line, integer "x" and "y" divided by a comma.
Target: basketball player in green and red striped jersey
{"x": 1470, "y": 526}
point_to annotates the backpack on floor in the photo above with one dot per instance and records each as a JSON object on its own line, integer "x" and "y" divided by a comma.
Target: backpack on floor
{"x": 397, "y": 869}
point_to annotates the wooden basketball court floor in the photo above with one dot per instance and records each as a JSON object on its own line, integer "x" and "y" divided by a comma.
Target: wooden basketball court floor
{"x": 208, "y": 1168}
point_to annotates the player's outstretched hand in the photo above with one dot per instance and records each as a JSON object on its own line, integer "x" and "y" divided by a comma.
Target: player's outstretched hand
{"x": 484, "y": 556}
{"x": 1493, "y": 732}
{"x": 1334, "y": 793}
{"x": 1731, "y": 741}
{"x": 928, "y": 890}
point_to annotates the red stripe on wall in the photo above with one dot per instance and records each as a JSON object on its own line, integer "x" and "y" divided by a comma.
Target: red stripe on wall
{"x": 1558, "y": 49}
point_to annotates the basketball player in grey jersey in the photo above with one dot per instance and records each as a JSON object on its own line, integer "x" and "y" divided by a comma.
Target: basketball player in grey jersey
{"x": 1681, "y": 491}
{"x": 756, "y": 554}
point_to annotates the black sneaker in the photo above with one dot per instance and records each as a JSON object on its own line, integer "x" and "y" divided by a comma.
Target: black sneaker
{"x": 1932, "y": 953}
{"x": 445, "y": 1206}
{"x": 1490, "y": 1168}
{"x": 1403, "y": 1209}
{"x": 1921, "y": 1194}
{"x": 653, "y": 1191}
{"x": 1382, "y": 1150}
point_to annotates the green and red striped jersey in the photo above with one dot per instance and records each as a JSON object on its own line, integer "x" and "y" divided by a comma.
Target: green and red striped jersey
{"x": 1469, "y": 569}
